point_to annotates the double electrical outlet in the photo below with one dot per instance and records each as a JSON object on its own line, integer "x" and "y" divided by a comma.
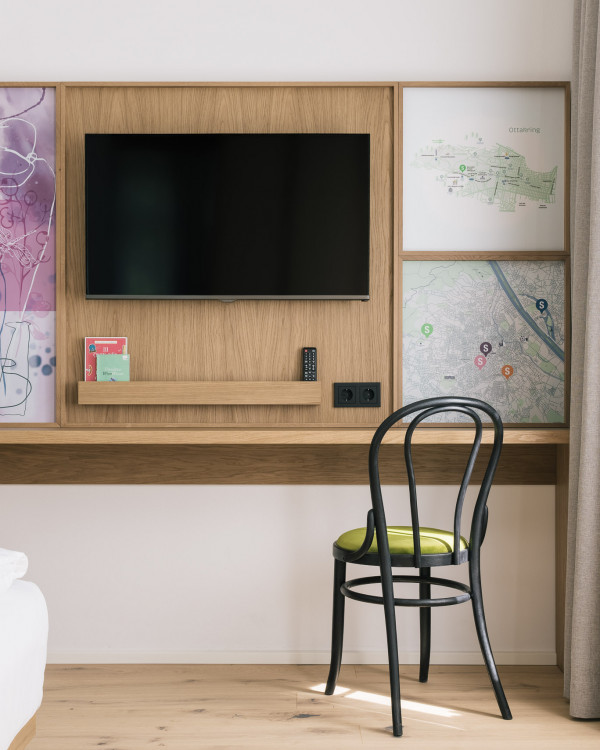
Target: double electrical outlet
{"x": 357, "y": 394}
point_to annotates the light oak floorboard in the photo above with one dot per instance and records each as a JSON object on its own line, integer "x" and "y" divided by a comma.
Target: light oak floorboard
{"x": 186, "y": 707}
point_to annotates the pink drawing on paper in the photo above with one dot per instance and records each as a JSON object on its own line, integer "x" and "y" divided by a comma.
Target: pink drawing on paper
{"x": 27, "y": 254}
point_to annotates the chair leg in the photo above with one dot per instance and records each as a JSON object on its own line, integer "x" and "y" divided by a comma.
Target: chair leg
{"x": 425, "y": 626}
{"x": 337, "y": 628}
{"x": 484, "y": 641}
{"x": 387, "y": 586}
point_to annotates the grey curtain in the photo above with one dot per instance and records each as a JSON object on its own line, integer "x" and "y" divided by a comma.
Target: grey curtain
{"x": 582, "y": 625}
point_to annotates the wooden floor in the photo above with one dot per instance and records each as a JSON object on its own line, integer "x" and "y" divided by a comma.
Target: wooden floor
{"x": 186, "y": 707}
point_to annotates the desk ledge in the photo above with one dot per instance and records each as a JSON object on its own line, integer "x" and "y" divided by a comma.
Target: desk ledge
{"x": 274, "y": 436}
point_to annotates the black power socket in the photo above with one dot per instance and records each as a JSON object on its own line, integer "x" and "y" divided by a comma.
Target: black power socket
{"x": 356, "y": 394}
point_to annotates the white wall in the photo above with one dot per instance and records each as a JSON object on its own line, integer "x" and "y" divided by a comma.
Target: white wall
{"x": 286, "y": 40}
{"x": 145, "y": 573}
{"x": 231, "y": 574}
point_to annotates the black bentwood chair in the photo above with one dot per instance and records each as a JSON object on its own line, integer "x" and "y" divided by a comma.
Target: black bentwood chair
{"x": 417, "y": 547}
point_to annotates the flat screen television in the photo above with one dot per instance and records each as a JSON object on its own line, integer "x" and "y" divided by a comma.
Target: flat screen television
{"x": 227, "y": 216}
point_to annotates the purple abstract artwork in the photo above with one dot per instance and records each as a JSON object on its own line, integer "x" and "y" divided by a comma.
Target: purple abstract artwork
{"x": 27, "y": 254}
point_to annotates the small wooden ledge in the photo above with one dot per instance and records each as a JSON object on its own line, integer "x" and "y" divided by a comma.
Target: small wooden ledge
{"x": 227, "y": 392}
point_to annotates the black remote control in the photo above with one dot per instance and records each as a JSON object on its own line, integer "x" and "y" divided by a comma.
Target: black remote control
{"x": 309, "y": 363}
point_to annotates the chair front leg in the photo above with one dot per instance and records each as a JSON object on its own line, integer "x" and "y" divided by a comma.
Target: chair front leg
{"x": 425, "y": 625}
{"x": 387, "y": 586}
{"x": 337, "y": 628}
{"x": 482, "y": 634}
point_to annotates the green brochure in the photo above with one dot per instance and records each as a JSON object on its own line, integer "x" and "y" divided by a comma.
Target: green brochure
{"x": 112, "y": 367}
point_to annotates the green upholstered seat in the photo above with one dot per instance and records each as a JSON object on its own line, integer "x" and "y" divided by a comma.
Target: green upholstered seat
{"x": 400, "y": 538}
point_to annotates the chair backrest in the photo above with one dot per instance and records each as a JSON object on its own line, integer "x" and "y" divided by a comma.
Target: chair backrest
{"x": 424, "y": 409}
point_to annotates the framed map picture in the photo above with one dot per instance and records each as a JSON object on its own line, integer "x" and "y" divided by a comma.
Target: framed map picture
{"x": 484, "y": 168}
{"x": 493, "y": 330}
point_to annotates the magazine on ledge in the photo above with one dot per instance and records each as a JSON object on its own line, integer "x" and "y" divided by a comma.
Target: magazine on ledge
{"x": 101, "y": 345}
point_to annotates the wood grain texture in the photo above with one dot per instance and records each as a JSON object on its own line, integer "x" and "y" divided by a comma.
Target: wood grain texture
{"x": 484, "y": 255}
{"x": 567, "y": 344}
{"x": 225, "y": 84}
{"x": 274, "y": 436}
{"x": 25, "y": 736}
{"x": 397, "y": 265}
{"x": 261, "y": 464}
{"x": 567, "y": 181}
{"x": 61, "y": 324}
{"x": 561, "y": 524}
{"x": 484, "y": 84}
{"x": 295, "y": 392}
{"x": 259, "y": 340}
{"x": 263, "y": 707}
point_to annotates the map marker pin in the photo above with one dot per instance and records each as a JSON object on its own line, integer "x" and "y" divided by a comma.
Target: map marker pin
{"x": 427, "y": 330}
{"x": 485, "y": 348}
{"x": 462, "y": 167}
{"x": 480, "y": 361}
{"x": 541, "y": 305}
{"x": 507, "y": 371}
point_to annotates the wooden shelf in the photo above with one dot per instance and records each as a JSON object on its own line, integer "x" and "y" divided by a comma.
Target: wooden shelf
{"x": 227, "y": 392}
{"x": 274, "y": 436}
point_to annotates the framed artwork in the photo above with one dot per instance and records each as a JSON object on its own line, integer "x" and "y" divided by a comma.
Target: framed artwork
{"x": 27, "y": 254}
{"x": 493, "y": 330}
{"x": 484, "y": 168}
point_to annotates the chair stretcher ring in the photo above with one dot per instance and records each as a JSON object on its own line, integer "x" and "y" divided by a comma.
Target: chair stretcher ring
{"x": 347, "y": 590}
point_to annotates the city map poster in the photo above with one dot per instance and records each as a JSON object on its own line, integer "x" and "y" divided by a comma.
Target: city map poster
{"x": 492, "y": 330}
{"x": 484, "y": 168}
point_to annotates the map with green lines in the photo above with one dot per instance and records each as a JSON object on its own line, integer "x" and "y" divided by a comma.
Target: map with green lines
{"x": 492, "y": 330}
{"x": 497, "y": 176}
{"x": 483, "y": 169}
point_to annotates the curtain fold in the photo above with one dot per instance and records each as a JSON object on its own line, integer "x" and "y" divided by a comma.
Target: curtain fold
{"x": 582, "y": 618}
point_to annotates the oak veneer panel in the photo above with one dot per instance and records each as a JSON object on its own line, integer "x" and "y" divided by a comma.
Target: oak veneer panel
{"x": 197, "y": 392}
{"x": 258, "y": 340}
{"x": 397, "y": 266}
{"x": 268, "y": 436}
{"x": 61, "y": 324}
{"x": 260, "y": 464}
{"x": 561, "y": 523}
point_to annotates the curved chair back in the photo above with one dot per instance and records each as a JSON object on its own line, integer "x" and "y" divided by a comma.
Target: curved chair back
{"x": 428, "y": 408}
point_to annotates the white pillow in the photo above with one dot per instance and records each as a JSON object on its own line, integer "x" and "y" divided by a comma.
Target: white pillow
{"x": 13, "y": 565}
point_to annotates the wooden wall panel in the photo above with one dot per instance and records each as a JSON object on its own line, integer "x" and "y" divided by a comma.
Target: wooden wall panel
{"x": 245, "y": 340}
{"x": 561, "y": 520}
{"x": 262, "y": 464}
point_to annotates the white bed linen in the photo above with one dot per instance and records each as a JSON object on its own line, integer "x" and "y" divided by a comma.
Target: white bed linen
{"x": 13, "y": 565}
{"x": 23, "y": 643}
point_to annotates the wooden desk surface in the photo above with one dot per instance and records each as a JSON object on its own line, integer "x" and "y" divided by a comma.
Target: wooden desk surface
{"x": 271, "y": 436}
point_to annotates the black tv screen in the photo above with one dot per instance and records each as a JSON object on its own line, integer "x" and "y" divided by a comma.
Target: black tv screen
{"x": 227, "y": 216}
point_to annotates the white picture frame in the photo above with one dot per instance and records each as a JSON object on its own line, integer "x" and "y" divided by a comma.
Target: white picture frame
{"x": 484, "y": 168}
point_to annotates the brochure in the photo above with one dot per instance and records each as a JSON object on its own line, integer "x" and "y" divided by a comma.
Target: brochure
{"x": 96, "y": 345}
{"x": 112, "y": 367}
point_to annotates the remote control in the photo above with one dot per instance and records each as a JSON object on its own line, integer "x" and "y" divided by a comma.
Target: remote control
{"x": 309, "y": 363}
